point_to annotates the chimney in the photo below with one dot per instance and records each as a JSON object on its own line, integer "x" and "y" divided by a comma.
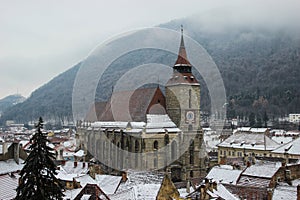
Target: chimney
{"x": 248, "y": 164}
{"x": 202, "y": 191}
{"x": 215, "y": 185}
{"x": 298, "y": 192}
{"x": 83, "y": 165}
{"x": 124, "y": 177}
{"x": 75, "y": 164}
{"x": 188, "y": 187}
{"x": 63, "y": 162}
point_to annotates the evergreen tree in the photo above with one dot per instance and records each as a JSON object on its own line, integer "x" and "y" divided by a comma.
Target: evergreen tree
{"x": 38, "y": 179}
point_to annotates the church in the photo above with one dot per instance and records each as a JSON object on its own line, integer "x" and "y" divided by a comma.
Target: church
{"x": 161, "y": 132}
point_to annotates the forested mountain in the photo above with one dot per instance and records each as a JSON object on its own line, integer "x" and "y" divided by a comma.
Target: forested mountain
{"x": 10, "y": 101}
{"x": 260, "y": 69}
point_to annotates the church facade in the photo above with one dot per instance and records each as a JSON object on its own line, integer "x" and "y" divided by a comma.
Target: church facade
{"x": 163, "y": 132}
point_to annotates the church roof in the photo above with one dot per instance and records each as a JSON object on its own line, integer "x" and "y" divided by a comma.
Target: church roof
{"x": 130, "y": 105}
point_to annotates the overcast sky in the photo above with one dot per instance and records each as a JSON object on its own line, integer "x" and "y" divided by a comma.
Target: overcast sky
{"x": 40, "y": 39}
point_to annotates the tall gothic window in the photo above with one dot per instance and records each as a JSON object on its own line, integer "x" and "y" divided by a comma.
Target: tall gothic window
{"x": 155, "y": 145}
{"x": 174, "y": 150}
{"x": 190, "y": 98}
{"x": 192, "y": 152}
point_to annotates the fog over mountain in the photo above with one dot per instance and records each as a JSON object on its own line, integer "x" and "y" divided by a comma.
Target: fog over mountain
{"x": 53, "y": 37}
{"x": 260, "y": 67}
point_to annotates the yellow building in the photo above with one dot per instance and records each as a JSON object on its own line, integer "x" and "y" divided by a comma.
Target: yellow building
{"x": 245, "y": 146}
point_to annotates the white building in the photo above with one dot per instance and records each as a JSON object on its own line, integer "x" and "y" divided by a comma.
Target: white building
{"x": 294, "y": 118}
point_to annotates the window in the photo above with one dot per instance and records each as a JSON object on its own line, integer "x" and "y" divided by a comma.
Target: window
{"x": 174, "y": 150}
{"x": 155, "y": 145}
{"x": 190, "y": 98}
{"x": 192, "y": 152}
{"x": 233, "y": 153}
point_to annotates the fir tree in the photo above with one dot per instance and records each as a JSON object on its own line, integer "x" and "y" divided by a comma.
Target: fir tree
{"x": 38, "y": 179}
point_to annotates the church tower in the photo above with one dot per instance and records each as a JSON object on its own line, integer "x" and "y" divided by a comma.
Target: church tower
{"x": 183, "y": 93}
{"x": 183, "y": 107}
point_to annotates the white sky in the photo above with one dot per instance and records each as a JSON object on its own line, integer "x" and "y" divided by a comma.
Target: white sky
{"x": 40, "y": 39}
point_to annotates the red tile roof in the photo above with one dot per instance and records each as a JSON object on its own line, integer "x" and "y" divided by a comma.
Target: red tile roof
{"x": 130, "y": 105}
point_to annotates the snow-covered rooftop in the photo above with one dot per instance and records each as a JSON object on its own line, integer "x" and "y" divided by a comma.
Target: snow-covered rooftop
{"x": 263, "y": 170}
{"x": 224, "y": 174}
{"x": 108, "y": 183}
{"x": 282, "y": 139}
{"x": 9, "y": 183}
{"x": 285, "y": 192}
{"x": 10, "y": 165}
{"x": 256, "y": 141}
{"x": 71, "y": 168}
{"x": 223, "y": 193}
{"x": 292, "y": 148}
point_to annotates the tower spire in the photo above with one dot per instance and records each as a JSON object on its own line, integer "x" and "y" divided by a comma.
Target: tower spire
{"x": 182, "y": 61}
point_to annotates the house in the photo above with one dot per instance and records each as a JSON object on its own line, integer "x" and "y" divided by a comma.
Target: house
{"x": 294, "y": 118}
{"x": 289, "y": 151}
{"x": 211, "y": 190}
{"x": 260, "y": 180}
{"x": 68, "y": 172}
{"x": 243, "y": 146}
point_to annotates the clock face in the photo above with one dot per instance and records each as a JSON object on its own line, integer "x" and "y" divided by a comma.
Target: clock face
{"x": 190, "y": 116}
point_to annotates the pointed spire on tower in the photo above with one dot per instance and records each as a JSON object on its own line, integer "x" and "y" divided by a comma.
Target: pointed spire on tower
{"x": 182, "y": 55}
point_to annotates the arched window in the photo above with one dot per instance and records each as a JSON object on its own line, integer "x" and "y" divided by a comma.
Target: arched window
{"x": 191, "y": 174}
{"x": 136, "y": 148}
{"x": 155, "y": 145}
{"x": 155, "y": 162}
{"x": 174, "y": 150}
{"x": 190, "y": 98}
{"x": 98, "y": 149}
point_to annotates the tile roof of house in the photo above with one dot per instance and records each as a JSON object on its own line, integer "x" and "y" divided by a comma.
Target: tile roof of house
{"x": 9, "y": 183}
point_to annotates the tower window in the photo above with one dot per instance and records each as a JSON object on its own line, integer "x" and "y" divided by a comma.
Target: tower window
{"x": 155, "y": 145}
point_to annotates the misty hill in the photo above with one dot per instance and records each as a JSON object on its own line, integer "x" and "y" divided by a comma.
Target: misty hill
{"x": 10, "y": 101}
{"x": 260, "y": 70}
